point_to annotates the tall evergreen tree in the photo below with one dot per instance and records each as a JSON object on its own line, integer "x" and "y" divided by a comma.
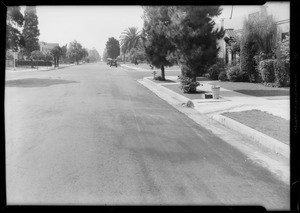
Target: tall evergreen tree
{"x": 113, "y": 48}
{"x": 192, "y": 31}
{"x": 30, "y": 30}
{"x": 157, "y": 46}
{"x": 14, "y": 20}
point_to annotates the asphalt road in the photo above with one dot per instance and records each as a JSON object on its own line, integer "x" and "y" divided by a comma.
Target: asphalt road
{"x": 91, "y": 134}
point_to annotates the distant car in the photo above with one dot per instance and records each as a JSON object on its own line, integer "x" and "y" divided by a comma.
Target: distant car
{"x": 114, "y": 62}
{"x": 108, "y": 61}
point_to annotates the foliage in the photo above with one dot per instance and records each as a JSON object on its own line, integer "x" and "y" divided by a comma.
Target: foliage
{"x": 113, "y": 48}
{"x": 64, "y": 50}
{"x": 30, "y": 30}
{"x": 234, "y": 46}
{"x": 9, "y": 55}
{"x": 284, "y": 49}
{"x": 76, "y": 52}
{"x": 193, "y": 32}
{"x": 157, "y": 45}
{"x": 216, "y": 69}
{"x": 236, "y": 75}
{"x": 37, "y": 55}
{"x": 56, "y": 52}
{"x": 266, "y": 70}
{"x": 258, "y": 36}
{"x": 130, "y": 39}
{"x": 282, "y": 75}
{"x": 223, "y": 76}
{"x": 260, "y": 56}
{"x": 104, "y": 56}
{"x": 93, "y": 56}
{"x": 14, "y": 20}
{"x": 137, "y": 54}
{"x": 188, "y": 85}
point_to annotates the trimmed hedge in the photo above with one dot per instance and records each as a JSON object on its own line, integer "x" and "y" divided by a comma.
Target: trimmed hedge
{"x": 236, "y": 75}
{"x": 282, "y": 75}
{"x": 34, "y": 63}
{"x": 266, "y": 70}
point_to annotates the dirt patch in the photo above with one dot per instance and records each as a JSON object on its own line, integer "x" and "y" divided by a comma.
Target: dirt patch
{"x": 271, "y": 125}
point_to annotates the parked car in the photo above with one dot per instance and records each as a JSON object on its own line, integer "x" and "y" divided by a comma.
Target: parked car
{"x": 114, "y": 62}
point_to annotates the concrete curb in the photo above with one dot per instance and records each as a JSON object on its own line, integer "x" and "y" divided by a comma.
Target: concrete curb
{"x": 166, "y": 91}
{"x": 262, "y": 139}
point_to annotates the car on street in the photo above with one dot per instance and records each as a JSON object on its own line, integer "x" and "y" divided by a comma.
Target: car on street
{"x": 108, "y": 61}
{"x": 114, "y": 62}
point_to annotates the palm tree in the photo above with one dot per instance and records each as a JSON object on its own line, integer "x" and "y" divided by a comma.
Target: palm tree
{"x": 130, "y": 39}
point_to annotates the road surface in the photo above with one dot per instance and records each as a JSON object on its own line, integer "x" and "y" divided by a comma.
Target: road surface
{"x": 91, "y": 134}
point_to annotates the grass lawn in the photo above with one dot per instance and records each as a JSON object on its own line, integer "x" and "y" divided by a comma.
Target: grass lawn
{"x": 254, "y": 89}
{"x": 176, "y": 88}
{"x": 271, "y": 125}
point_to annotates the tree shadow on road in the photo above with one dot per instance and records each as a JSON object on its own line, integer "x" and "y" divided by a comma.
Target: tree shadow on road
{"x": 36, "y": 82}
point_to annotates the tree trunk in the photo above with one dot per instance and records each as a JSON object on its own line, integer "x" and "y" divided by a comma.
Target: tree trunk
{"x": 163, "y": 72}
{"x": 57, "y": 61}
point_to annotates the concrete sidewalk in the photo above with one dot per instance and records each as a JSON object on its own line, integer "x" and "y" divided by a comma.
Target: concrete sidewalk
{"x": 233, "y": 102}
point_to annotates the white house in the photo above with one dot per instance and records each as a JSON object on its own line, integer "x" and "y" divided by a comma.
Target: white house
{"x": 47, "y": 47}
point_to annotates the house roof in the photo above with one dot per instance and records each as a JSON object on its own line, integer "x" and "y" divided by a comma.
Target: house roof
{"x": 230, "y": 33}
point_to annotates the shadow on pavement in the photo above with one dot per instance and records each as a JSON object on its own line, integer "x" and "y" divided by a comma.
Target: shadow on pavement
{"x": 262, "y": 93}
{"x": 36, "y": 82}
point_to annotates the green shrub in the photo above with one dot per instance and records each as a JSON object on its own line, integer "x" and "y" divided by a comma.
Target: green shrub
{"x": 266, "y": 70}
{"x": 216, "y": 69}
{"x": 188, "y": 85}
{"x": 223, "y": 76}
{"x": 258, "y": 37}
{"x": 281, "y": 70}
{"x": 236, "y": 75}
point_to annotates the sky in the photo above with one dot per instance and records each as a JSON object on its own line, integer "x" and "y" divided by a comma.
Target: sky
{"x": 93, "y": 25}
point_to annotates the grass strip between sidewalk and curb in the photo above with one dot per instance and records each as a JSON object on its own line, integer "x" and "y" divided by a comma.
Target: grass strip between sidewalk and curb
{"x": 271, "y": 125}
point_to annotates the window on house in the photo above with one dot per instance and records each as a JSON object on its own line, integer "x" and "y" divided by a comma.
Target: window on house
{"x": 283, "y": 35}
{"x": 253, "y": 16}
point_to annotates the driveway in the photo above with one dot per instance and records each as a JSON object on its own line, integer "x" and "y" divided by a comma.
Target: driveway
{"x": 90, "y": 134}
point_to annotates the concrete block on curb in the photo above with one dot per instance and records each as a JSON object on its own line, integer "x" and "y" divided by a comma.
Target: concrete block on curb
{"x": 264, "y": 140}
